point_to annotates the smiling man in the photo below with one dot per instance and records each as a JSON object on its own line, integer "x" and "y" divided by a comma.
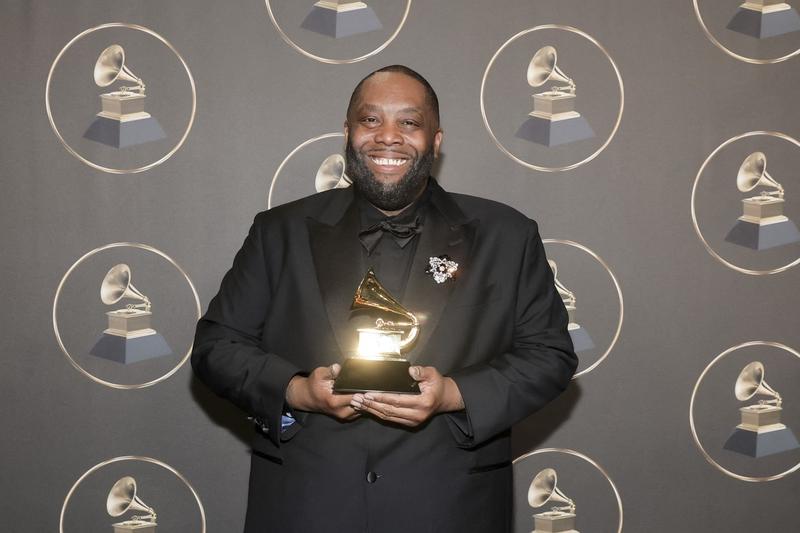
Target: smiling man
{"x": 493, "y": 347}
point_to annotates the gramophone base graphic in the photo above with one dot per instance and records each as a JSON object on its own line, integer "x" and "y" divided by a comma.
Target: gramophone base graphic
{"x": 554, "y": 522}
{"x": 765, "y": 19}
{"x": 581, "y": 340}
{"x": 554, "y": 121}
{"x": 123, "y": 121}
{"x": 129, "y": 338}
{"x": 761, "y": 433}
{"x": 140, "y": 526}
{"x": 341, "y": 20}
{"x": 763, "y": 225}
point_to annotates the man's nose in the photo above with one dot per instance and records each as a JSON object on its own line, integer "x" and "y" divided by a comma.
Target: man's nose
{"x": 388, "y": 134}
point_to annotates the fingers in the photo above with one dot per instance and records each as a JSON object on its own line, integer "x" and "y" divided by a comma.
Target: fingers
{"x": 334, "y": 370}
{"x": 410, "y": 401}
{"x": 394, "y": 409}
{"x": 423, "y": 373}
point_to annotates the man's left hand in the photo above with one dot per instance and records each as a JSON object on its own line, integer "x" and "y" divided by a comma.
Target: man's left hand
{"x": 438, "y": 394}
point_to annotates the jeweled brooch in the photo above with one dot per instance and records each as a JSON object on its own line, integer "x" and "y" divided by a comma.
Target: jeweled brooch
{"x": 441, "y": 268}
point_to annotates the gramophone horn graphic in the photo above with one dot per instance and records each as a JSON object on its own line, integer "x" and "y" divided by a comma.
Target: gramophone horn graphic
{"x": 543, "y": 489}
{"x": 761, "y": 432}
{"x": 553, "y": 120}
{"x": 581, "y": 340}
{"x": 129, "y": 337}
{"x": 762, "y": 224}
{"x": 122, "y": 121}
{"x": 123, "y": 498}
{"x": 331, "y": 174}
{"x": 764, "y": 18}
{"x": 341, "y": 18}
{"x": 379, "y": 364}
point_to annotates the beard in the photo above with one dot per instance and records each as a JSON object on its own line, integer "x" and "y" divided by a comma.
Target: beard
{"x": 388, "y": 196}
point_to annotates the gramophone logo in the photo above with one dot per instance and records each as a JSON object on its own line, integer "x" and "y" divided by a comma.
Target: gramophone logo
{"x": 580, "y": 337}
{"x": 122, "y": 121}
{"x": 761, "y": 432}
{"x": 331, "y": 174}
{"x": 129, "y": 337}
{"x": 553, "y": 120}
{"x": 543, "y": 490}
{"x": 123, "y": 498}
{"x": 762, "y": 224}
{"x": 341, "y": 18}
{"x": 765, "y": 18}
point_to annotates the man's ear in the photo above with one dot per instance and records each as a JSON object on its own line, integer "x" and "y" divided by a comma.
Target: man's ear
{"x": 346, "y": 132}
{"x": 437, "y": 142}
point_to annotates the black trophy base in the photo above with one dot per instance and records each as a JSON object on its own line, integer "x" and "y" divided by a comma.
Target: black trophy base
{"x": 375, "y": 375}
{"x": 581, "y": 341}
{"x": 763, "y": 236}
{"x": 123, "y": 134}
{"x": 341, "y": 24}
{"x": 129, "y": 351}
{"x": 763, "y": 25}
{"x": 761, "y": 444}
{"x": 554, "y": 132}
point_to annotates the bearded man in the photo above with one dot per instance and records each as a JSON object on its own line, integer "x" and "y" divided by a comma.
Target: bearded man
{"x": 493, "y": 344}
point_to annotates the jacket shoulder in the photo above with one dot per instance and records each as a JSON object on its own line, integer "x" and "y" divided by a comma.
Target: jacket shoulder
{"x": 493, "y": 214}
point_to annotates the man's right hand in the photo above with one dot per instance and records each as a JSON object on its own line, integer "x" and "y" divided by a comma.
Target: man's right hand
{"x": 315, "y": 393}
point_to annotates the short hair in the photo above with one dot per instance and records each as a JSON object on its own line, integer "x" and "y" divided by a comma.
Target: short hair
{"x": 430, "y": 94}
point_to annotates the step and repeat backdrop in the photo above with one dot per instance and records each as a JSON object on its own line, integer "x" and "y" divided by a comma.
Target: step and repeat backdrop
{"x": 654, "y": 142}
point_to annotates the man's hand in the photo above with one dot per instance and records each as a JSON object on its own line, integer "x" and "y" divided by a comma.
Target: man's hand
{"x": 438, "y": 394}
{"x": 315, "y": 394}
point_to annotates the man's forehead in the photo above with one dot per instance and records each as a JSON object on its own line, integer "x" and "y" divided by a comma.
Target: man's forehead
{"x": 393, "y": 89}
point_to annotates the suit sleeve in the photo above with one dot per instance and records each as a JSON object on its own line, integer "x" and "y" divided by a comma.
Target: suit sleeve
{"x": 226, "y": 354}
{"x": 536, "y": 369}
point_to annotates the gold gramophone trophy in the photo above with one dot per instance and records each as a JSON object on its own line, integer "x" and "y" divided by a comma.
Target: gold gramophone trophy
{"x": 121, "y": 499}
{"x": 760, "y": 432}
{"x": 762, "y": 224}
{"x": 331, "y": 174}
{"x": 379, "y": 365}
{"x": 122, "y": 120}
{"x": 581, "y": 340}
{"x": 543, "y": 490}
{"x": 341, "y": 18}
{"x": 765, "y": 18}
{"x": 129, "y": 337}
{"x": 553, "y": 120}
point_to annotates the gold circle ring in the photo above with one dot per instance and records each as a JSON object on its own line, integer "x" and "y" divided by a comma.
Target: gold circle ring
{"x": 619, "y": 298}
{"x": 74, "y": 152}
{"x": 619, "y": 81}
{"x": 150, "y": 460}
{"x": 751, "y": 60}
{"x": 74, "y": 363}
{"x": 291, "y": 154}
{"x": 696, "y": 226}
{"x": 328, "y": 60}
{"x": 589, "y": 460}
{"x": 697, "y": 442}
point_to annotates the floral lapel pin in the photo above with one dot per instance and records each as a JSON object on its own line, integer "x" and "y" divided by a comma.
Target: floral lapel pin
{"x": 441, "y": 268}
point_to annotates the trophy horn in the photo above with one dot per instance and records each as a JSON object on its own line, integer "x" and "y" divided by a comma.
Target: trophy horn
{"x": 567, "y": 296}
{"x": 370, "y": 294}
{"x": 331, "y": 174}
{"x": 751, "y": 383}
{"x": 110, "y": 67}
{"x": 117, "y": 285}
{"x": 122, "y": 498}
{"x": 753, "y": 173}
{"x": 543, "y": 489}
{"x": 543, "y": 68}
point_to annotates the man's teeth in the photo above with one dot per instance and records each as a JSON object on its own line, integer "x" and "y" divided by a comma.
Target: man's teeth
{"x": 388, "y": 162}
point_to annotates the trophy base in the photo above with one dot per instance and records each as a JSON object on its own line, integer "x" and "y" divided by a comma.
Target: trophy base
{"x": 124, "y": 133}
{"x": 760, "y": 444}
{"x": 338, "y": 24}
{"x": 764, "y": 23}
{"x": 375, "y": 375}
{"x": 129, "y": 350}
{"x": 581, "y": 340}
{"x": 554, "y": 522}
{"x": 763, "y": 236}
{"x": 552, "y": 132}
{"x": 140, "y": 526}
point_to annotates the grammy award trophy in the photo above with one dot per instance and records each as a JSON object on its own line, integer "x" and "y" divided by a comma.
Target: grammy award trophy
{"x": 341, "y": 18}
{"x": 764, "y": 18}
{"x": 543, "y": 489}
{"x": 581, "y": 340}
{"x": 121, "y": 499}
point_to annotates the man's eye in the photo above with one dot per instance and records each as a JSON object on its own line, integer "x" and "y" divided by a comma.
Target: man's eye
{"x": 409, "y": 123}
{"x": 369, "y": 120}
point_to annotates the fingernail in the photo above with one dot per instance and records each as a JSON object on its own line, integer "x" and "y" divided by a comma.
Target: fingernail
{"x": 369, "y": 397}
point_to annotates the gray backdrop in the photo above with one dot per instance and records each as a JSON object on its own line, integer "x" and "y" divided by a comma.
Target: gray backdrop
{"x": 257, "y": 100}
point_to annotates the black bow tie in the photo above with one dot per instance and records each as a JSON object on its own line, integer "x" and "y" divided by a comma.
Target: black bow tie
{"x": 402, "y": 233}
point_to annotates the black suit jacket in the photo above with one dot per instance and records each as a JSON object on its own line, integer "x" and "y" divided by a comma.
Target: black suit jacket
{"x": 499, "y": 329}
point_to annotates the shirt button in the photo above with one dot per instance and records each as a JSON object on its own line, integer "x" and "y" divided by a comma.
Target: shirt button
{"x": 372, "y": 477}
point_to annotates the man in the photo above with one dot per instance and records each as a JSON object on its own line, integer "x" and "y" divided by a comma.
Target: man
{"x": 493, "y": 346}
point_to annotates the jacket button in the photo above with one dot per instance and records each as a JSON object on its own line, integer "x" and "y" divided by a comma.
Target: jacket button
{"x": 372, "y": 477}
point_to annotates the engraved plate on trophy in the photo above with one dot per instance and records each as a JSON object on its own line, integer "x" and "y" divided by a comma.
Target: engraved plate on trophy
{"x": 760, "y": 432}
{"x": 765, "y": 18}
{"x": 379, "y": 365}
{"x": 122, "y": 499}
{"x": 543, "y": 490}
{"x": 581, "y": 340}
{"x": 341, "y": 18}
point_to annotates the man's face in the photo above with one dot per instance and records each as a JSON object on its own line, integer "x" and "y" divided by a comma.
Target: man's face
{"x": 392, "y": 140}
